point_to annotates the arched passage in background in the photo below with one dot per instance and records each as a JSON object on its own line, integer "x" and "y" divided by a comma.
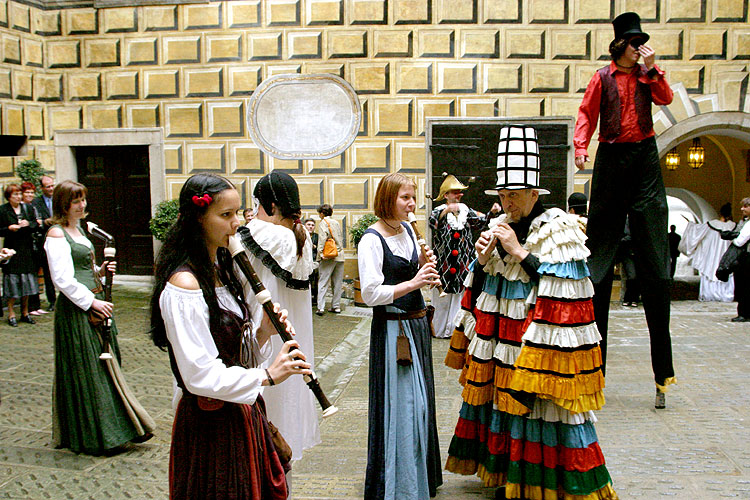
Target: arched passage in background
{"x": 725, "y": 175}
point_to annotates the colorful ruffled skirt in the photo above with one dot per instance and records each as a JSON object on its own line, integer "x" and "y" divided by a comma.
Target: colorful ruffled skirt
{"x": 531, "y": 376}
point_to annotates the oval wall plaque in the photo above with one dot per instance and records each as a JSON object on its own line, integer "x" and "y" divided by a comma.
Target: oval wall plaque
{"x": 304, "y": 116}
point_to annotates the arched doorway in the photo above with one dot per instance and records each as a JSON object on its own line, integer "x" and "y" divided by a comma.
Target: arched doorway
{"x": 725, "y": 175}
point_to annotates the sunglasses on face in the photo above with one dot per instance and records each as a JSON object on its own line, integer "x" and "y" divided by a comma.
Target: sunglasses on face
{"x": 636, "y": 43}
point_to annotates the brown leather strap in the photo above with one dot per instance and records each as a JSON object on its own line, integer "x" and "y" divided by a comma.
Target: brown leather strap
{"x": 407, "y": 315}
{"x": 97, "y": 289}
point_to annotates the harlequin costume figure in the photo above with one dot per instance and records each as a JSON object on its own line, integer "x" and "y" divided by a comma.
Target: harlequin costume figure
{"x": 452, "y": 242}
{"x": 627, "y": 183}
{"x": 528, "y": 348}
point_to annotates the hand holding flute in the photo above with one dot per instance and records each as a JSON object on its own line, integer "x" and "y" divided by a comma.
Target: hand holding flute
{"x": 237, "y": 250}
{"x": 503, "y": 234}
{"x": 427, "y": 254}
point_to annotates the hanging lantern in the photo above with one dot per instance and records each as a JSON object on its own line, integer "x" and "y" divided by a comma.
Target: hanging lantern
{"x": 695, "y": 154}
{"x": 672, "y": 159}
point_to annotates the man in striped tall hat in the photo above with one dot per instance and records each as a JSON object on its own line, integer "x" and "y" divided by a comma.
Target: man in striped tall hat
{"x": 527, "y": 346}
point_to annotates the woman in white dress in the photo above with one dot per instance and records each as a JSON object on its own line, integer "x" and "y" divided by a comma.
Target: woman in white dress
{"x": 280, "y": 250}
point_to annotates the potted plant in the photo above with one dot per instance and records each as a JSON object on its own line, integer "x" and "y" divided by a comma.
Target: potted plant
{"x": 355, "y": 234}
{"x": 30, "y": 171}
{"x": 167, "y": 212}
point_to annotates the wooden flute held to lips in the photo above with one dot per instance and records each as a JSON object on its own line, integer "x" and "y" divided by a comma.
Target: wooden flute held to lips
{"x": 422, "y": 245}
{"x": 237, "y": 250}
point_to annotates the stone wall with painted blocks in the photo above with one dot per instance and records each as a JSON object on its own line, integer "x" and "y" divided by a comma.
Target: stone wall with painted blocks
{"x": 192, "y": 68}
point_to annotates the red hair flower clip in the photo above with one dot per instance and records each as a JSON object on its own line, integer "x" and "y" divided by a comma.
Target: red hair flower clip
{"x": 202, "y": 201}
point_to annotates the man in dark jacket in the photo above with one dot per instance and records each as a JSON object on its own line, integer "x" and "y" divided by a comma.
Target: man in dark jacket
{"x": 627, "y": 182}
{"x": 43, "y": 205}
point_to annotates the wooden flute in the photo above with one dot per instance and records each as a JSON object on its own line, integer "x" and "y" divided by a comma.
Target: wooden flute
{"x": 422, "y": 245}
{"x": 263, "y": 296}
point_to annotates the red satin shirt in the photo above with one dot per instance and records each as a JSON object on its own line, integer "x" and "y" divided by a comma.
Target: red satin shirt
{"x": 588, "y": 113}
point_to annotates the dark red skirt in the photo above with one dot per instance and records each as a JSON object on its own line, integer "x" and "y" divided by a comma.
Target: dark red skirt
{"x": 225, "y": 453}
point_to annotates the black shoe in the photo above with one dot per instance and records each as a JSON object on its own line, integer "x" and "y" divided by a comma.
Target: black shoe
{"x": 319, "y": 312}
{"x": 739, "y": 319}
{"x": 500, "y": 493}
{"x": 12, "y": 321}
{"x": 51, "y": 308}
{"x": 27, "y": 319}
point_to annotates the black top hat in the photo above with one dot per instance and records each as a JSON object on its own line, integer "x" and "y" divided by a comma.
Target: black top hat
{"x": 628, "y": 25}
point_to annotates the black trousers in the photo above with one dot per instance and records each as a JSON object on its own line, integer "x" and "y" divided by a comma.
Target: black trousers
{"x": 627, "y": 182}
{"x": 742, "y": 286}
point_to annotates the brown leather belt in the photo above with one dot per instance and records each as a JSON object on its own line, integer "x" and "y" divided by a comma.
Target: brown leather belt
{"x": 407, "y": 315}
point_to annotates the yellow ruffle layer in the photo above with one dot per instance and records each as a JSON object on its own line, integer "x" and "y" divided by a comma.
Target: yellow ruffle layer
{"x": 513, "y": 490}
{"x": 503, "y": 376}
{"x": 587, "y": 402}
{"x": 461, "y": 466}
{"x": 490, "y": 479}
{"x": 506, "y": 403}
{"x": 477, "y": 395}
{"x": 481, "y": 372}
{"x": 559, "y": 361}
{"x": 454, "y": 359}
{"x": 546, "y": 384}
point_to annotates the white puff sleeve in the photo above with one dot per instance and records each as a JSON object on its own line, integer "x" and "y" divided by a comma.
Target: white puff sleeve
{"x": 185, "y": 314}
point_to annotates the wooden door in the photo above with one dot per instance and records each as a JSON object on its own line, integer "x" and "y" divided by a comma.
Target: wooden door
{"x": 119, "y": 196}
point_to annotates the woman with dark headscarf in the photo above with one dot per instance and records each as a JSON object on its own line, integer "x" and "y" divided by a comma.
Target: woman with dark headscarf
{"x": 17, "y": 226}
{"x": 280, "y": 250}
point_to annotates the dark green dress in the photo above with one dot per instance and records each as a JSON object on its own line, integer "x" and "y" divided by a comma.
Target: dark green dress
{"x": 88, "y": 413}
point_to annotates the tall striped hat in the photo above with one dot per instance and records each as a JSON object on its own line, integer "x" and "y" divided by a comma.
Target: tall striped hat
{"x": 517, "y": 160}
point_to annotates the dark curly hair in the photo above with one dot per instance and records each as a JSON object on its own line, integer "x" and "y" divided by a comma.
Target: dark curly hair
{"x": 617, "y": 48}
{"x": 185, "y": 246}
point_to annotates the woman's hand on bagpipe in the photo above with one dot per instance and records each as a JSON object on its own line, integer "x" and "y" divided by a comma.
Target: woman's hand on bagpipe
{"x": 290, "y": 361}
{"x": 108, "y": 266}
{"x": 102, "y": 308}
{"x": 267, "y": 327}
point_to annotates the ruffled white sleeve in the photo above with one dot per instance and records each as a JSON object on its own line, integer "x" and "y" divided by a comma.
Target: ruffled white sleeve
{"x": 185, "y": 314}
{"x": 62, "y": 271}
{"x": 744, "y": 236}
{"x": 371, "y": 278}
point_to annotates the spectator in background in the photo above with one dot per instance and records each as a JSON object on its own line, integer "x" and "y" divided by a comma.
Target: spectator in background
{"x": 742, "y": 274}
{"x": 310, "y": 226}
{"x": 43, "y": 206}
{"x": 17, "y": 226}
{"x": 331, "y": 270}
{"x": 703, "y": 243}
{"x": 28, "y": 193}
{"x": 674, "y": 243}
{"x": 248, "y": 215}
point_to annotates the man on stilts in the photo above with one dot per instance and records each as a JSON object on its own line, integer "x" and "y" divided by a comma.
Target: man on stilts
{"x": 627, "y": 181}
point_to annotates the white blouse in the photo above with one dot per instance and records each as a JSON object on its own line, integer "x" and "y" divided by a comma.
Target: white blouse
{"x": 370, "y": 261}
{"x": 185, "y": 314}
{"x": 62, "y": 271}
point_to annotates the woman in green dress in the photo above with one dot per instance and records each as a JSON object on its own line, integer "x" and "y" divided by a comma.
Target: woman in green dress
{"x": 93, "y": 410}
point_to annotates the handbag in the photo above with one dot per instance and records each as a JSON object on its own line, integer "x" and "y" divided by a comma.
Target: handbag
{"x": 283, "y": 450}
{"x": 729, "y": 262}
{"x": 329, "y": 247}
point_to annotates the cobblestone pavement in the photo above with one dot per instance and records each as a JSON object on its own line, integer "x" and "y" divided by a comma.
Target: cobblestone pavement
{"x": 698, "y": 448}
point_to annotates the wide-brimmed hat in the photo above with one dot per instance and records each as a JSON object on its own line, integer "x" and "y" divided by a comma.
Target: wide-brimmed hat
{"x": 450, "y": 183}
{"x": 517, "y": 160}
{"x": 628, "y": 25}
